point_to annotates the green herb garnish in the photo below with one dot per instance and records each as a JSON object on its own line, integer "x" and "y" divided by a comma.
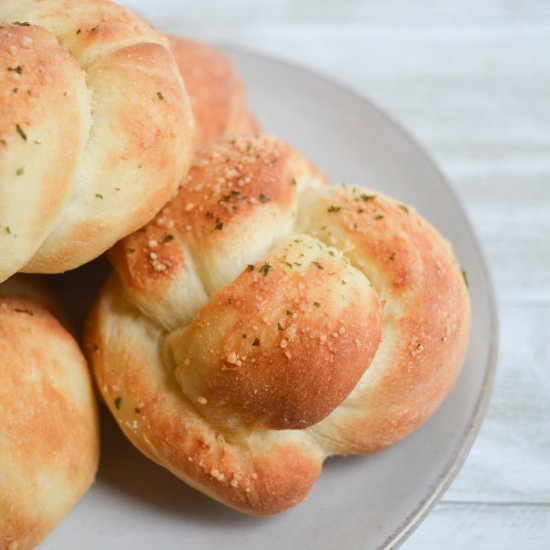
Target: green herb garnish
{"x": 25, "y": 311}
{"x": 367, "y": 197}
{"x": 265, "y": 269}
{"x": 21, "y": 132}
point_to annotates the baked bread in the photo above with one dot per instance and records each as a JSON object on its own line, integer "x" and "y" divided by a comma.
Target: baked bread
{"x": 215, "y": 89}
{"x": 96, "y": 130}
{"x": 264, "y": 321}
{"x": 49, "y": 434}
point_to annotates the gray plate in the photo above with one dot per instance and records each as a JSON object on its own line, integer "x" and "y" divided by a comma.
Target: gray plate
{"x": 359, "y": 502}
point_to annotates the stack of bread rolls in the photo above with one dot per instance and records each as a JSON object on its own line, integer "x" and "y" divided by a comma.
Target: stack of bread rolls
{"x": 257, "y": 320}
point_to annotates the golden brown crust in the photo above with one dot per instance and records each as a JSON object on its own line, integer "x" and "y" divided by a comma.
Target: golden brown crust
{"x": 215, "y": 89}
{"x": 295, "y": 332}
{"x": 426, "y": 315}
{"x": 244, "y": 473}
{"x": 268, "y": 340}
{"x": 33, "y": 84}
{"x": 240, "y": 196}
{"x": 49, "y": 430}
{"x": 93, "y": 68}
{"x": 32, "y": 289}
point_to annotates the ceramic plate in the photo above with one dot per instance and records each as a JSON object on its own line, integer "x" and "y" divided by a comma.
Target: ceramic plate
{"x": 359, "y": 502}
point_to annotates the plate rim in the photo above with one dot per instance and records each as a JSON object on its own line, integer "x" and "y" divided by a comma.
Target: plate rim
{"x": 467, "y": 439}
{"x": 406, "y": 524}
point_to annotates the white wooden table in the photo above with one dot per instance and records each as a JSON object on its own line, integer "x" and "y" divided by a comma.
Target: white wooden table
{"x": 470, "y": 79}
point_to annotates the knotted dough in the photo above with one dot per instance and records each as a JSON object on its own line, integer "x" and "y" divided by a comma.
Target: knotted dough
{"x": 96, "y": 130}
{"x": 264, "y": 321}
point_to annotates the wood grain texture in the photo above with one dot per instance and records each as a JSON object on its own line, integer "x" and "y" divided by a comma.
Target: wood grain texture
{"x": 483, "y": 526}
{"x": 471, "y": 81}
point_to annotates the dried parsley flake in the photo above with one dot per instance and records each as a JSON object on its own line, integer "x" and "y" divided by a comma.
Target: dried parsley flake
{"x": 366, "y": 197}
{"x": 21, "y": 132}
{"x": 25, "y": 311}
{"x": 265, "y": 269}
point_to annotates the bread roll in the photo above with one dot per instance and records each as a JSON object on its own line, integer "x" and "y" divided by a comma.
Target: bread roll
{"x": 215, "y": 89}
{"x": 264, "y": 321}
{"x": 49, "y": 434}
{"x": 96, "y": 130}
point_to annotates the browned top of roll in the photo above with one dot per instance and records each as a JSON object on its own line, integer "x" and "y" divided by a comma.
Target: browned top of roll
{"x": 49, "y": 433}
{"x": 215, "y": 89}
